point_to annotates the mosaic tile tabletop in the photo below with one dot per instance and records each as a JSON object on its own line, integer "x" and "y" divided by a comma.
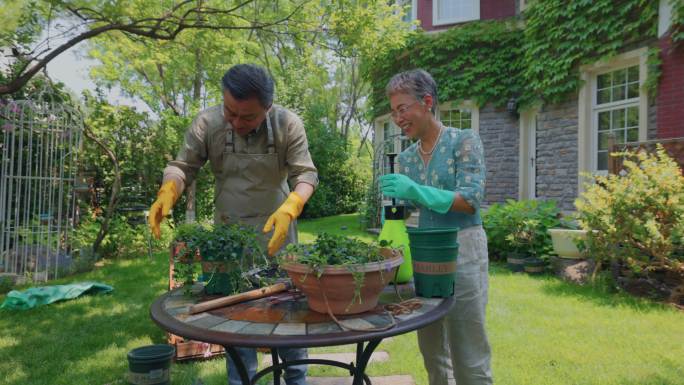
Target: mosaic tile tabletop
{"x": 288, "y": 314}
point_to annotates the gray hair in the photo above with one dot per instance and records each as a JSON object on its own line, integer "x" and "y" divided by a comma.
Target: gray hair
{"x": 416, "y": 82}
{"x": 244, "y": 81}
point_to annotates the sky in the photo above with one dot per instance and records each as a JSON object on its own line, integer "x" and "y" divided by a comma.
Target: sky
{"x": 72, "y": 68}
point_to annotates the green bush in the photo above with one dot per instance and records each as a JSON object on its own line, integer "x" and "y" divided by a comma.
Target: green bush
{"x": 520, "y": 227}
{"x": 638, "y": 216}
{"x": 6, "y": 284}
{"x": 342, "y": 187}
{"x": 370, "y": 209}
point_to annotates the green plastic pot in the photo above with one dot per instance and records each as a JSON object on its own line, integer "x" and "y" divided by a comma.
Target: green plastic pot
{"x": 535, "y": 266}
{"x": 516, "y": 262}
{"x": 434, "y": 253}
{"x": 150, "y": 365}
{"x": 433, "y": 236}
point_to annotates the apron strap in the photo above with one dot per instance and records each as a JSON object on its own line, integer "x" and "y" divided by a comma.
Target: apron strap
{"x": 230, "y": 139}
{"x": 271, "y": 142}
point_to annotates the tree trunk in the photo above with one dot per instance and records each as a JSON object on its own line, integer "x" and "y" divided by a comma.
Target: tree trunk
{"x": 104, "y": 227}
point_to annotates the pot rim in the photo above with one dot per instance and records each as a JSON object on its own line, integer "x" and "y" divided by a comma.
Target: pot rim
{"x": 439, "y": 230}
{"x": 396, "y": 258}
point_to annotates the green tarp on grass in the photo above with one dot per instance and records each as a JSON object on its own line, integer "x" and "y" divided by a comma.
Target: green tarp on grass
{"x": 38, "y": 296}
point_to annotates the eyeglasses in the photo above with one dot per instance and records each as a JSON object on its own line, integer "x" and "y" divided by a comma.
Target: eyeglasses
{"x": 402, "y": 110}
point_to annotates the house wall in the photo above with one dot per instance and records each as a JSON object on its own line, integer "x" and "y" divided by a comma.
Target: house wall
{"x": 557, "y": 151}
{"x": 670, "y": 100}
{"x": 489, "y": 9}
{"x": 556, "y": 161}
{"x": 499, "y": 134}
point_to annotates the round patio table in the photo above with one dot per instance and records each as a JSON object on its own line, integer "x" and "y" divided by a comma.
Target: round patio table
{"x": 285, "y": 320}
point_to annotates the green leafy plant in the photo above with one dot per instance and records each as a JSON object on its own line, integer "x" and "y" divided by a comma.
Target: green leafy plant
{"x": 637, "y": 217}
{"x": 520, "y": 227}
{"x": 677, "y": 20}
{"x": 6, "y": 284}
{"x": 335, "y": 250}
{"x": 534, "y": 59}
{"x": 233, "y": 247}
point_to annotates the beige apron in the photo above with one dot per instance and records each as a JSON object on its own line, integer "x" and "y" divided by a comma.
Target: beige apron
{"x": 251, "y": 187}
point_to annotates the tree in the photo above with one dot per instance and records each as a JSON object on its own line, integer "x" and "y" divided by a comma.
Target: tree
{"x": 305, "y": 21}
{"x": 316, "y": 68}
{"x": 159, "y": 20}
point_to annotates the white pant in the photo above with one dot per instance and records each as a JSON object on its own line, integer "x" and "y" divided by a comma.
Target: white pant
{"x": 455, "y": 349}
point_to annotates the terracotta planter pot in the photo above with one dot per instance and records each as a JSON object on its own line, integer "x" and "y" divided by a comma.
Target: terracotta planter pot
{"x": 338, "y": 286}
{"x": 179, "y": 250}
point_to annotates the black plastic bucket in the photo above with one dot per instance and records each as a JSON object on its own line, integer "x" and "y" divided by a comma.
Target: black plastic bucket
{"x": 150, "y": 365}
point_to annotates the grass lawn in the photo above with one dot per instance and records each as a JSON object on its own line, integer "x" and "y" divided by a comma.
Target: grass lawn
{"x": 542, "y": 331}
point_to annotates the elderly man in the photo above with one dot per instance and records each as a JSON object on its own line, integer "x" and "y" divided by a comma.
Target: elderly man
{"x": 255, "y": 149}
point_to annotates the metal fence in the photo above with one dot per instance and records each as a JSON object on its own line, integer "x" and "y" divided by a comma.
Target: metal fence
{"x": 39, "y": 142}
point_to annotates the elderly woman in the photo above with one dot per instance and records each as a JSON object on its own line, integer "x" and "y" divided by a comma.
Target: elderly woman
{"x": 443, "y": 175}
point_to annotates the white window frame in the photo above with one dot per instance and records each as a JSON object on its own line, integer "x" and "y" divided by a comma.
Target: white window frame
{"x": 464, "y": 105}
{"x": 587, "y": 122}
{"x": 664, "y": 17}
{"x": 436, "y": 20}
{"x": 414, "y": 8}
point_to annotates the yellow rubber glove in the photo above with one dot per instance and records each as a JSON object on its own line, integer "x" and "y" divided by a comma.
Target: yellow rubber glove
{"x": 281, "y": 219}
{"x": 166, "y": 197}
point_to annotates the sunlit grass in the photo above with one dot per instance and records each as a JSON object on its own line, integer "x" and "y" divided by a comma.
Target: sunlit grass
{"x": 542, "y": 331}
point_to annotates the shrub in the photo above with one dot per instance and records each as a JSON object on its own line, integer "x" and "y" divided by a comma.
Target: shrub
{"x": 638, "y": 215}
{"x": 520, "y": 227}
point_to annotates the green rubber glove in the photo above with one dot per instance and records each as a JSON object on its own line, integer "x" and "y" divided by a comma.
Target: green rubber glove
{"x": 402, "y": 187}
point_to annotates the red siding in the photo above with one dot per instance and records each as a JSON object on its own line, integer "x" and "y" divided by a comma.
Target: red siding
{"x": 424, "y": 14}
{"x": 670, "y": 101}
{"x": 489, "y": 9}
{"x": 496, "y": 9}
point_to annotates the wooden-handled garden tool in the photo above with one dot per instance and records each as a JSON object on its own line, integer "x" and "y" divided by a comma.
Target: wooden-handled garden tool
{"x": 242, "y": 297}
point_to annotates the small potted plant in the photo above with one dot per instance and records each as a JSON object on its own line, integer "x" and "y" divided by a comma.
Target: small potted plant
{"x": 224, "y": 252}
{"x": 185, "y": 256}
{"x": 340, "y": 275}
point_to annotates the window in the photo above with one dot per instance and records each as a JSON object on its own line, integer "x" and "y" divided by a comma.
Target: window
{"x": 454, "y": 11}
{"x": 612, "y": 103}
{"x": 457, "y": 118}
{"x": 616, "y": 110}
{"x": 391, "y": 140}
{"x": 410, "y": 10}
{"x": 462, "y": 116}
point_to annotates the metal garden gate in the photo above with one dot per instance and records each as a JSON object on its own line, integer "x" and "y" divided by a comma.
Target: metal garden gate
{"x": 39, "y": 141}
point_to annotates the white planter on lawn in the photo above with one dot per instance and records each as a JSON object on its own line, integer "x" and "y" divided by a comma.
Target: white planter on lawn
{"x": 565, "y": 242}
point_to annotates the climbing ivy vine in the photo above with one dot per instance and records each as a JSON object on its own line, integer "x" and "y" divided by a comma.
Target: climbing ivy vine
{"x": 533, "y": 58}
{"x": 480, "y": 61}
{"x": 561, "y": 35}
{"x": 677, "y": 20}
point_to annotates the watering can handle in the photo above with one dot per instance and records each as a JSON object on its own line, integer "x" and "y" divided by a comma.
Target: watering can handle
{"x": 391, "y": 157}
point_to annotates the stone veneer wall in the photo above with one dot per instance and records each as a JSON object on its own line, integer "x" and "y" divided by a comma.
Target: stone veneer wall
{"x": 499, "y": 134}
{"x": 557, "y": 153}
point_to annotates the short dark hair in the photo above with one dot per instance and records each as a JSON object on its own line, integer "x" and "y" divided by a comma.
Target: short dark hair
{"x": 245, "y": 81}
{"x": 417, "y": 83}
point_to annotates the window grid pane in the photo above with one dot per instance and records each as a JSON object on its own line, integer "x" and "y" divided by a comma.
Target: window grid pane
{"x": 459, "y": 9}
{"x": 622, "y": 123}
{"x": 617, "y": 85}
{"x": 461, "y": 119}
